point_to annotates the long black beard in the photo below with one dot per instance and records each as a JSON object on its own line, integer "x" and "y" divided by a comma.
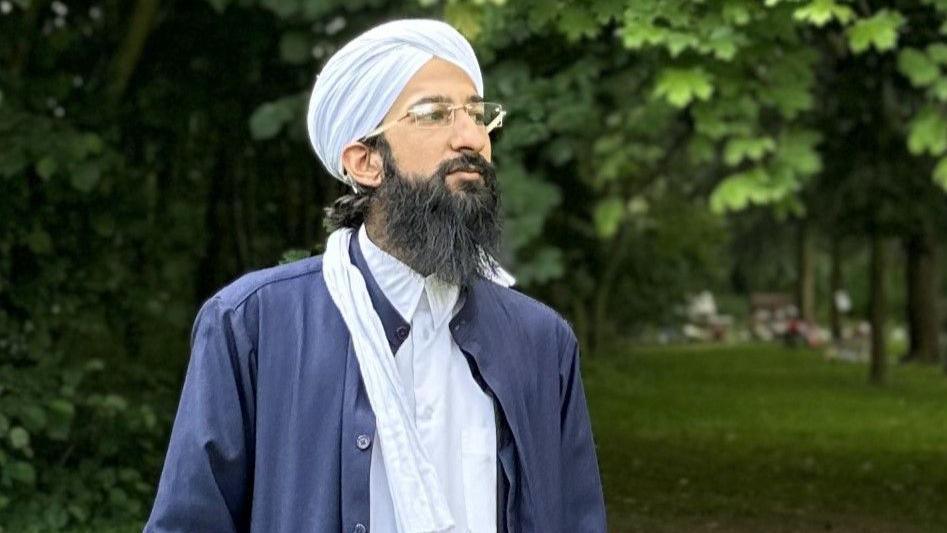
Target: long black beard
{"x": 435, "y": 230}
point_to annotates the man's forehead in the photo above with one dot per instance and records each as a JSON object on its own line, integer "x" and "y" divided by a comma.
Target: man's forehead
{"x": 439, "y": 78}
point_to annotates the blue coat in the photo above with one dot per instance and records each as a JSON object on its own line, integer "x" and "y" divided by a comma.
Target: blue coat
{"x": 274, "y": 430}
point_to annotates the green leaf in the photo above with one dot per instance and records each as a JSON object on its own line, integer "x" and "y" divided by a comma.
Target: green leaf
{"x": 940, "y": 173}
{"x": 33, "y": 417}
{"x": 701, "y": 150}
{"x": 92, "y": 144}
{"x": 282, "y": 8}
{"x": 19, "y": 438}
{"x": 104, "y": 225}
{"x": 4, "y": 425}
{"x": 128, "y": 475}
{"x": 680, "y": 86}
{"x": 465, "y": 17}
{"x": 219, "y": 5}
{"x": 545, "y": 265}
{"x": 23, "y": 472}
{"x": 820, "y": 12}
{"x": 79, "y": 512}
{"x": 918, "y": 67}
{"x": 927, "y": 132}
{"x": 55, "y": 516}
{"x": 294, "y": 47}
{"x": 577, "y": 22}
{"x": 39, "y": 242}
{"x": 796, "y": 149}
{"x": 86, "y": 176}
{"x": 723, "y": 43}
{"x": 12, "y": 162}
{"x": 294, "y": 255}
{"x": 939, "y": 90}
{"x": 608, "y": 216}
{"x": 879, "y": 31}
{"x": 636, "y": 34}
{"x": 736, "y": 12}
{"x": 115, "y": 402}
{"x": 938, "y": 53}
{"x": 61, "y": 413}
{"x": 607, "y": 10}
{"x": 752, "y": 187}
{"x": 676, "y": 42}
{"x": 753, "y": 149}
{"x": 268, "y": 119}
{"x": 46, "y": 167}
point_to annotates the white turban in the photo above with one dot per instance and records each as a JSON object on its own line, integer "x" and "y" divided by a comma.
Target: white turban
{"x": 360, "y": 82}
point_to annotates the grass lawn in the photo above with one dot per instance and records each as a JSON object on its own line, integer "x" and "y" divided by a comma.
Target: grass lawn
{"x": 762, "y": 438}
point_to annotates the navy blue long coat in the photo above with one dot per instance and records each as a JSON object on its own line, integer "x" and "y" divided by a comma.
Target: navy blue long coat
{"x": 274, "y": 430}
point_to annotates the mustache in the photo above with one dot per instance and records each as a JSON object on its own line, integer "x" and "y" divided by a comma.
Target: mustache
{"x": 467, "y": 162}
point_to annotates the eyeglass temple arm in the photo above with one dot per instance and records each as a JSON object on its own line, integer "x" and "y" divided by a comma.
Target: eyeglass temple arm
{"x": 497, "y": 122}
{"x": 380, "y": 129}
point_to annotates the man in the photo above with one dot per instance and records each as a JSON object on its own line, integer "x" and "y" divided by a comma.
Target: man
{"x": 396, "y": 383}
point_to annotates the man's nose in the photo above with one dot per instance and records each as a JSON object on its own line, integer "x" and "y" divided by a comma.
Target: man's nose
{"x": 467, "y": 135}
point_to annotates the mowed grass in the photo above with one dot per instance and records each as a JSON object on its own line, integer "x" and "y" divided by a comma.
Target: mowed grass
{"x": 762, "y": 438}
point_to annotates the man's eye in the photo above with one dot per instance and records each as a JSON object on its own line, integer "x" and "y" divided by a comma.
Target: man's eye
{"x": 437, "y": 115}
{"x": 433, "y": 116}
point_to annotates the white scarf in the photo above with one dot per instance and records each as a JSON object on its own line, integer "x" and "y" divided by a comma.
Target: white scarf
{"x": 419, "y": 502}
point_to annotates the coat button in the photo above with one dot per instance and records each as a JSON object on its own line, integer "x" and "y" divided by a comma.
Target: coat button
{"x": 402, "y": 332}
{"x": 363, "y": 442}
{"x": 360, "y": 528}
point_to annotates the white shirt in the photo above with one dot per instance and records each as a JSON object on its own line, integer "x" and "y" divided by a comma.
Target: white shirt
{"x": 454, "y": 416}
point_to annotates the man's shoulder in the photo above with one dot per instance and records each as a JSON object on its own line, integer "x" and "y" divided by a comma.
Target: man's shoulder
{"x": 534, "y": 314}
{"x": 288, "y": 276}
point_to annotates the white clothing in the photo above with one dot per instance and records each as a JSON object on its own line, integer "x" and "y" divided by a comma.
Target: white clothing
{"x": 453, "y": 415}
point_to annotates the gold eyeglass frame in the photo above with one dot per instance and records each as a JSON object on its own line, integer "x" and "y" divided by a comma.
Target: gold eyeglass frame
{"x": 494, "y": 124}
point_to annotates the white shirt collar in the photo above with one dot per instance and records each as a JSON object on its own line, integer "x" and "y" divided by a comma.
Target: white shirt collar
{"x": 404, "y": 287}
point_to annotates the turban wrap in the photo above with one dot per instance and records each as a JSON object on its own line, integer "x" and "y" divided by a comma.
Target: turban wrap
{"x": 360, "y": 82}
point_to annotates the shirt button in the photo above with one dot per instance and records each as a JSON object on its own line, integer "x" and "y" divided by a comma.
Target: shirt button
{"x": 363, "y": 442}
{"x": 360, "y": 528}
{"x": 402, "y": 332}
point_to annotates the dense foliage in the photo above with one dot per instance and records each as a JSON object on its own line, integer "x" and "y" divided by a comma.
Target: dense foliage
{"x": 151, "y": 152}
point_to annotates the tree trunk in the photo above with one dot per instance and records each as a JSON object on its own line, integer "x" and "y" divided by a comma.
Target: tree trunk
{"x": 805, "y": 281}
{"x": 601, "y": 324}
{"x": 835, "y": 285}
{"x": 581, "y": 316}
{"x": 129, "y": 52}
{"x": 922, "y": 296}
{"x": 24, "y": 47}
{"x": 877, "y": 312}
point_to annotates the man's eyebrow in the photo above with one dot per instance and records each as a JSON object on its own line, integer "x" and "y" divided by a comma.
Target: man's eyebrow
{"x": 433, "y": 99}
{"x": 443, "y": 99}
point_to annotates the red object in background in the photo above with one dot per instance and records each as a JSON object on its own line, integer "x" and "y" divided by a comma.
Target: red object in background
{"x": 800, "y": 332}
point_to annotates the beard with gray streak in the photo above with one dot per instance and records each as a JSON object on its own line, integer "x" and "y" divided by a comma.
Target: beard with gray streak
{"x": 435, "y": 230}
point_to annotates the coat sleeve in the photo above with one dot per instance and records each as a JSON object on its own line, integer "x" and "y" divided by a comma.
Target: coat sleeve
{"x": 583, "y": 504}
{"x": 206, "y": 481}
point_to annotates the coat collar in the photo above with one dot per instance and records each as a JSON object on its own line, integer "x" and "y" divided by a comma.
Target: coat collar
{"x": 396, "y": 328}
{"x": 403, "y": 287}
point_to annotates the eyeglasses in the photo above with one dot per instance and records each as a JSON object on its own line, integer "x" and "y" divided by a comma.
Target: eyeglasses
{"x": 432, "y": 115}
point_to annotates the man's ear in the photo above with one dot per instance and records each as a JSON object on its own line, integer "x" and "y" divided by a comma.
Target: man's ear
{"x": 362, "y": 164}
